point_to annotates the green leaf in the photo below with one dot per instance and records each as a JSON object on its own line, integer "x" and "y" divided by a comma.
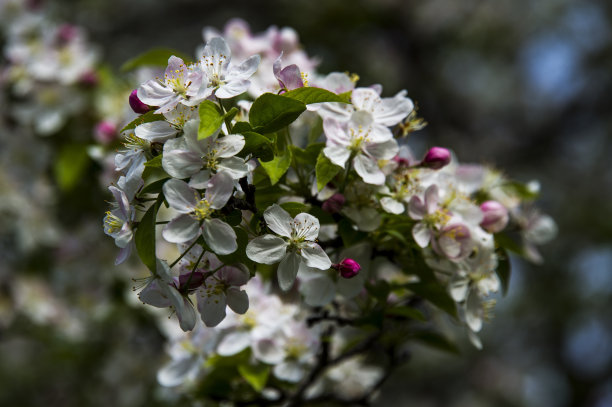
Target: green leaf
{"x": 234, "y": 217}
{"x": 346, "y": 96}
{"x": 256, "y": 376}
{"x": 277, "y": 167}
{"x": 155, "y": 162}
{"x": 307, "y": 156}
{"x": 503, "y": 269}
{"x": 437, "y": 341}
{"x": 325, "y": 170}
{"x": 258, "y": 145}
{"x": 70, "y": 165}
{"x": 295, "y": 208}
{"x": 230, "y": 114}
{"x": 436, "y": 294}
{"x": 144, "y": 238}
{"x": 145, "y": 118}
{"x": 153, "y": 57}
{"x": 379, "y": 290}
{"x": 271, "y": 112}
{"x": 509, "y": 241}
{"x": 407, "y": 312}
{"x": 241, "y": 128}
{"x": 324, "y": 217}
{"x": 211, "y": 119}
{"x": 154, "y": 187}
{"x": 309, "y": 95}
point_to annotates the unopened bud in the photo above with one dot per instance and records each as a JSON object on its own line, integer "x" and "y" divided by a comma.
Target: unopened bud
{"x": 105, "y": 132}
{"x": 436, "y": 158}
{"x": 136, "y": 104}
{"x": 89, "y": 78}
{"x": 495, "y": 216}
{"x": 334, "y": 204}
{"x": 190, "y": 281}
{"x": 348, "y": 268}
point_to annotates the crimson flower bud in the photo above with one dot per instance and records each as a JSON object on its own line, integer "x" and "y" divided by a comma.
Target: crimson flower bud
{"x": 136, "y": 104}
{"x": 348, "y": 268}
{"x": 334, "y": 204}
{"x": 495, "y": 216}
{"x": 436, "y": 158}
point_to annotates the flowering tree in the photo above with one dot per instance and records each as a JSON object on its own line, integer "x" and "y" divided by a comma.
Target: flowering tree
{"x": 294, "y": 200}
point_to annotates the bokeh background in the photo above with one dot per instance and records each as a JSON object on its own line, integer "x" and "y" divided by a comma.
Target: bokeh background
{"x": 525, "y": 85}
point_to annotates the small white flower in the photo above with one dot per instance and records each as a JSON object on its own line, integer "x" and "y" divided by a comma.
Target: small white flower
{"x": 187, "y": 156}
{"x": 357, "y": 141}
{"x": 118, "y": 224}
{"x": 295, "y": 248}
{"x": 229, "y": 80}
{"x": 185, "y": 84}
{"x": 196, "y": 213}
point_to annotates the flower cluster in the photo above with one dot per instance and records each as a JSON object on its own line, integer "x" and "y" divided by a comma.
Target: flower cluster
{"x": 302, "y": 187}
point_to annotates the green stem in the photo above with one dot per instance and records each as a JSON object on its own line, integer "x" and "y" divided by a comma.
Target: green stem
{"x": 184, "y": 253}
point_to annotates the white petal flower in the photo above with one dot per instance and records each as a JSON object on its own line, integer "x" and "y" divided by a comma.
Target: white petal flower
{"x": 297, "y": 249}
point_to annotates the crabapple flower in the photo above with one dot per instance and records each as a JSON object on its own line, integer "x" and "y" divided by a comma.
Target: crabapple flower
{"x": 295, "y": 248}
{"x": 220, "y": 290}
{"x": 495, "y": 216}
{"x": 436, "y": 158}
{"x": 161, "y": 292}
{"x": 229, "y": 80}
{"x": 187, "y": 156}
{"x": 358, "y": 141}
{"x": 118, "y": 224}
{"x": 185, "y": 84}
{"x": 366, "y": 102}
{"x": 196, "y": 213}
{"x": 429, "y": 215}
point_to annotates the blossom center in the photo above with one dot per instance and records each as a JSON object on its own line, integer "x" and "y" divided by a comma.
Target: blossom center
{"x": 112, "y": 223}
{"x": 202, "y": 210}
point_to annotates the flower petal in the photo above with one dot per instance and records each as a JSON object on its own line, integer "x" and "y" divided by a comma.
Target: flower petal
{"x": 266, "y": 249}
{"x": 219, "y": 190}
{"x": 237, "y": 300}
{"x": 421, "y": 234}
{"x": 211, "y": 304}
{"x": 278, "y": 220}
{"x": 219, "y": 236}
{"x": 158, "y": 131}
{"x": 180, "y": 196}
{"x": 287, "y": 270}
{"x": 315, "y": 256}
{"x": 368, "y": 170}
{"x": 181, "y": 229}
{"x": 233, "y": 343}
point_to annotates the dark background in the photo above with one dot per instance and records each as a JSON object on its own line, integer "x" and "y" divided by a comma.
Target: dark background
{"x": 522, "y": 85}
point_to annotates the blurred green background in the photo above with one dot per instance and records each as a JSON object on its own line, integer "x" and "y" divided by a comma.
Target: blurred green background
{"x": 525, "y": 85}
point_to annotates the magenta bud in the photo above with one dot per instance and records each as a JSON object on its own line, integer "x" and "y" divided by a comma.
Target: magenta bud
{"x": 495, "y": 216}
{"x": 105, "y": 132}
{"x": 190, "y": 281}
{"x": 348, "y": 268}
{"x": 334, "y": 204}
{"x": 436, "y": 158}
{"x": 67, "y": 32}
{"x": 136, "y": 104}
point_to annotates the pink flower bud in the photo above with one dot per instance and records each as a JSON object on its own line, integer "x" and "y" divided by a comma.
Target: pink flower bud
{"x": 436, "y": 158}
{"x": 105, "y": 132}
{"x": 348, "y": 268}
{"x": 136, "y": 104}
{"x": 334, "y": 204}
{"x": 495, "y": 216}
